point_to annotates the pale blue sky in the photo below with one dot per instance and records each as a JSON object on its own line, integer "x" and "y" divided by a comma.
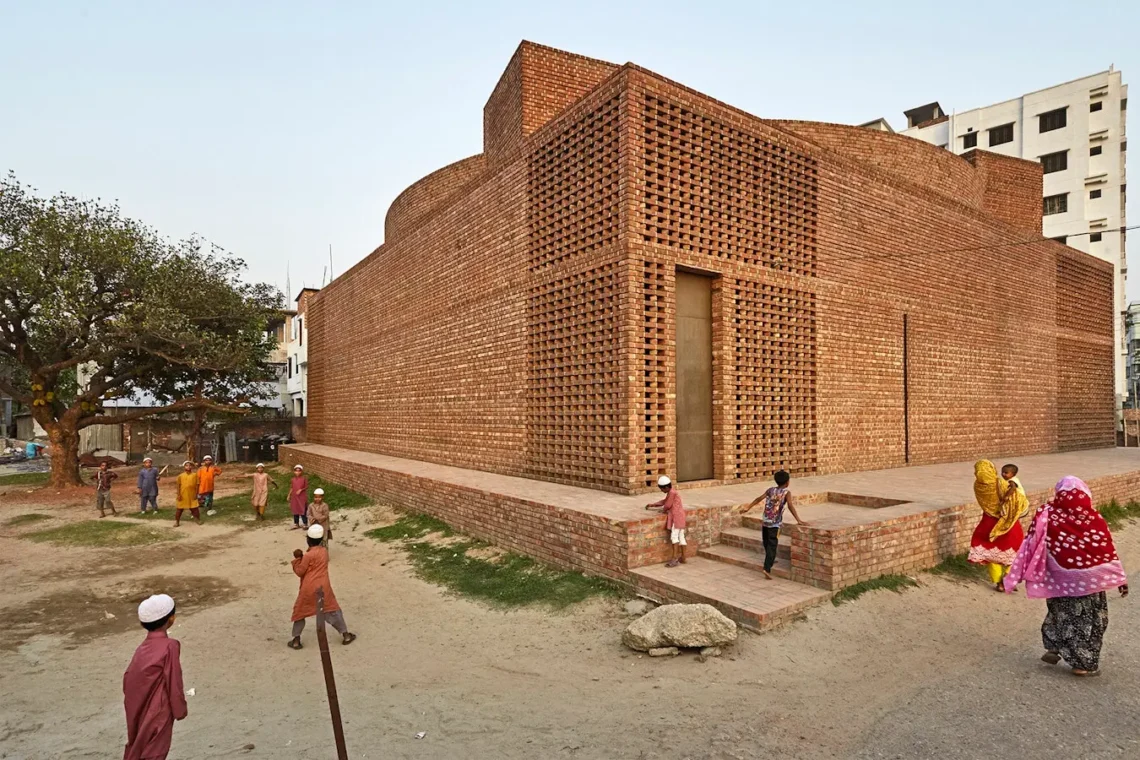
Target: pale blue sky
{"x": 277, "y": 128}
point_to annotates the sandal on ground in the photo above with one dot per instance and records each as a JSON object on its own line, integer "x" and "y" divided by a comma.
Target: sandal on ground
{"x": 1086, "y": 673}
{"x": 295, "y": 643}
{"x": 348, "y": 638}
{"x": 1051, "y": 658}
{"x": 673, "y": 563}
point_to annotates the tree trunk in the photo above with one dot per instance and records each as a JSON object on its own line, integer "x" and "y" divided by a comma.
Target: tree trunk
{"x": 64, "y": 456}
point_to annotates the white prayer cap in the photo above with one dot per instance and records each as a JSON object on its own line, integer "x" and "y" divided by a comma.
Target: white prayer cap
{"x": 260, "y": 466}
{"x": 319, "y": 492}
{"x": 298, "y": 467}
{"x": 147, "y": 459}
{"x": 155, "y": 608}
{"x": 207, "y": 458}
{"x": 663, "y": 481}
{"x": 187, "y": 462}
{"x": 315, "y": 531}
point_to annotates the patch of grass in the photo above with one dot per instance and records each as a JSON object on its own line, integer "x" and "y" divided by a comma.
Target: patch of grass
{"x": 1118, "y": 515}
{"x": 25, "y": 479}
{"x": 891, "y": 582}
{"x": 472, "y": 568}
{"x": 510, "y": 580}
{"x": 27, "y": 519}
{"x": 410, "y": 527}
{"x": 107, "y": 533}
{"x": 959, "y": 568}
{"x": 236, "y": 507}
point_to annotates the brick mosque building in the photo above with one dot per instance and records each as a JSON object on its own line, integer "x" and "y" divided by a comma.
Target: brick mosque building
{"x": 634, "y": 278}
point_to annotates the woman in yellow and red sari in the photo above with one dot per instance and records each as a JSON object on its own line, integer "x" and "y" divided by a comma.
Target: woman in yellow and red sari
{"x": 999, "y": 534}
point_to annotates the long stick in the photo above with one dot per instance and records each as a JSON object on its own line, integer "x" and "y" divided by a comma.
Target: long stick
{"x": 330, "y": 681}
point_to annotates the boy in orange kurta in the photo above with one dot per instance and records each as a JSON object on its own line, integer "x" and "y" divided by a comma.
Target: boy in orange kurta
{"x": 312, "y": 567}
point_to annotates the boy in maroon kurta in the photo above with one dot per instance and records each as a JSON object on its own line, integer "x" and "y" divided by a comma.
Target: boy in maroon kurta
{"x": 674, "y": 519}
{"x": 152, "y": 685}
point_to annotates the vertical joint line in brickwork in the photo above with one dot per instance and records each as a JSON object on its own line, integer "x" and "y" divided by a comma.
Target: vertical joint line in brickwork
{"x": 906, "y": 388}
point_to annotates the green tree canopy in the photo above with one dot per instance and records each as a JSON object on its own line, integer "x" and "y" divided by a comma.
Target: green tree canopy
{"x": 85, "y": 290}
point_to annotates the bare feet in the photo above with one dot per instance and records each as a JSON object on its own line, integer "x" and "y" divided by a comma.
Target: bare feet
{"x": 767, "y": 575}
{"x": 1085, "y": 673}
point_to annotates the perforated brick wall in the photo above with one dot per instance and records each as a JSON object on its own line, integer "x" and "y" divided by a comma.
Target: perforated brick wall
{"x": 773, "y": 380}
{"x": 525, "y": 322}
{"x": 573, "y": 186}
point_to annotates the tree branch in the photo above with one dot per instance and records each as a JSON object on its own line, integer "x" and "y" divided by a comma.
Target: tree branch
{"x": 11, "y": 391}
{"x": 184, "y": 405}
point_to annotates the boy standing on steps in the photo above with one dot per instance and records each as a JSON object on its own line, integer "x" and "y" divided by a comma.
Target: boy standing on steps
{"x": 674, "y": 519}
{"x": 775, "y": 499}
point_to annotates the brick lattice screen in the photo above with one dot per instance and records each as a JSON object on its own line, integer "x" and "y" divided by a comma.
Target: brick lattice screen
{"x": 773, "y": 379}
{"x": 725, "y": 193}
{"x": 573, "y": 185}
{"x": 652, "y": 406}
{"x": 573, "y": 392}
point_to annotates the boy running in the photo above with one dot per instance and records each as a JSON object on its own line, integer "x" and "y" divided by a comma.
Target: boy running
{"x": 775, "y": 499}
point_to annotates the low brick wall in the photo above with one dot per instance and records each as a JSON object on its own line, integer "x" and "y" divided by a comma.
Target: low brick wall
{"x": 564, "y": 538}
{"x": 835, "y": 558}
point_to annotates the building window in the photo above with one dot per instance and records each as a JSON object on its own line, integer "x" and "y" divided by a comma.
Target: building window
{"x": 1055, "y": 204}
{"x": 300, "y": 333}
{"x": 1095, "y": 150}
{"x": 1094, "y": 237}
{"x": 1051, "y": 120}
{"x": 1094, "y": 107}
{"x": 1055, "y": 162}
{"x": 969, "y": 140}
{"x": 1063, "y": 239}
{"x": 1124, "y": 104}
{"x": 1123, "y": 145}
{"x": 1001, "y": 135}
{"x": 1094, "y": 194}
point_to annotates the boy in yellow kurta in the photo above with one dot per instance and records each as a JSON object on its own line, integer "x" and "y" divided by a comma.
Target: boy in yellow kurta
{"x": 187, "y": 485}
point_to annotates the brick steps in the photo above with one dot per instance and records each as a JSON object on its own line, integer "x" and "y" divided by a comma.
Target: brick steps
{"x": 751, "y": 538}
{"x": 742, "y": 594}
{"x": 746, "y": 558}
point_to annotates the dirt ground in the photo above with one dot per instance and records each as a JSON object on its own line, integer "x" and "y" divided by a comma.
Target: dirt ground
{"x": 948, "y": 670}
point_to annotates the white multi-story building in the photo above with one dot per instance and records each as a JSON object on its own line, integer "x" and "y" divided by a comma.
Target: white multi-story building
{"x": 1076, "y": 130}
{"x": 297, "y": 356}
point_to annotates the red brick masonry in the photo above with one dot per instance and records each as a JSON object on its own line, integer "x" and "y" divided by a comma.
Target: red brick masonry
{"x": 520, "y": 316}
{"x": 926, "y": 513}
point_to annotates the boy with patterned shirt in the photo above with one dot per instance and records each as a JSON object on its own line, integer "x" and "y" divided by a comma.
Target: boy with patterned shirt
{"x": 775, "y": 500}
{"x": 103, "y": 478}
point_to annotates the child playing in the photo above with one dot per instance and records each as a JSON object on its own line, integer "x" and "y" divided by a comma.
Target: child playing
{"x": 674, "y": 520}
{"x": 103, "y": 478}
{"x": 318, "y": 514}
{"x": 775, "y": 499}
{"x": 260, "y": 497}
{"x": 187, "y": 486}
{"x": 207, "y": 473}
{"x": 152, "y": 685}
{"x": 299, "y": 498}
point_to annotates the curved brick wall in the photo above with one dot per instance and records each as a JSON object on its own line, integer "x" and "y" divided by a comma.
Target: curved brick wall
{"x": 426, "y": 195}
{"x": 934, "y": 168}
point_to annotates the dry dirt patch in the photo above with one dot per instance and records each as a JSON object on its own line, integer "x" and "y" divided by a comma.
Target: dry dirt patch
{"x": 87, "y": 614}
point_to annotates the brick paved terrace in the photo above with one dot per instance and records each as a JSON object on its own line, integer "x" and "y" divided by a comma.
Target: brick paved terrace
{"x": 863, "y": 524}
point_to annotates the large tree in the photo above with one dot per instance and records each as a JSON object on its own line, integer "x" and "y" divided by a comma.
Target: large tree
{"x": 85, "y": 290}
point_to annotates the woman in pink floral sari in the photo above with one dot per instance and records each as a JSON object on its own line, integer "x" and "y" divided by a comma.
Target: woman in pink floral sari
{"x": 1068, "y": 559}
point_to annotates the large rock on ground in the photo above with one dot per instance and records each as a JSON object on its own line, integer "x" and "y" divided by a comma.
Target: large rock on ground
{"x": 680, "y": 625}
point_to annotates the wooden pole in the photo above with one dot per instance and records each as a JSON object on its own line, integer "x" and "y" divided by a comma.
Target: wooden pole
{"x": 330, "y": 681}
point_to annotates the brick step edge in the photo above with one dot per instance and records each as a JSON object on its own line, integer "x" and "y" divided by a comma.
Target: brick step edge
{"x": 663, "y": 593}
{"x": 782, "y": 568}
{"x": 784, "y": 551}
